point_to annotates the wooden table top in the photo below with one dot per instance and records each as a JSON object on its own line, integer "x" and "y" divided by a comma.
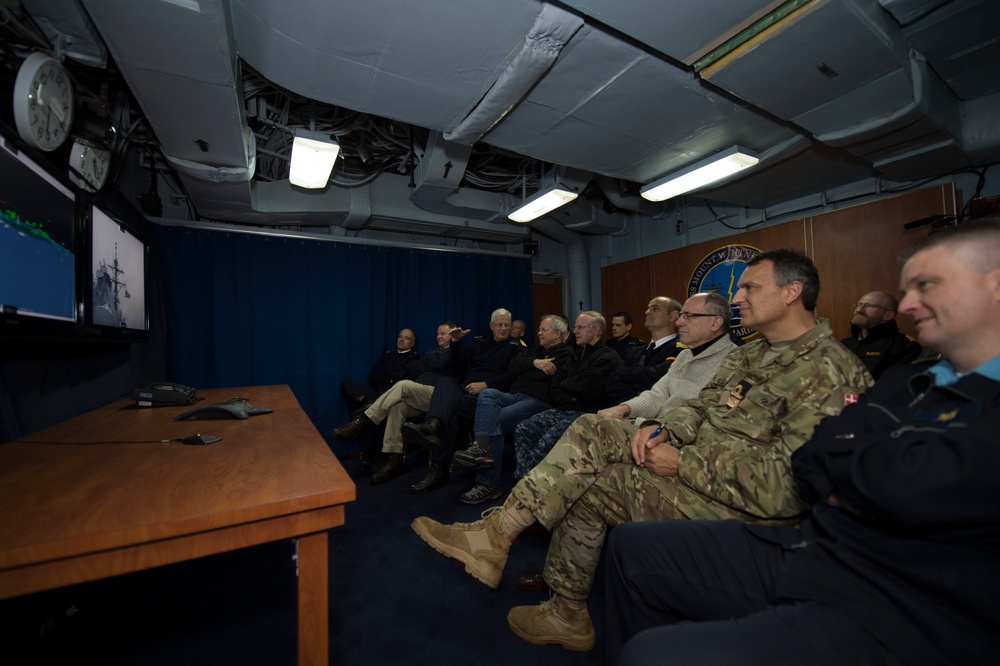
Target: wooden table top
{"x": 83, "y": 487}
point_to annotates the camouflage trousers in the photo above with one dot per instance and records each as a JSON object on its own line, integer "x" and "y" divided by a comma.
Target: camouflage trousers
{"x": 404, "y": 400}
{"x": 587, "y": 483}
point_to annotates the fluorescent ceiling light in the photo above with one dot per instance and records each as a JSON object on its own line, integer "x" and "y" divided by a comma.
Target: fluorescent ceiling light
{"x": 541, "y": 203}
{"x": 313, "y": 155}
{"x": 699, "y": 174}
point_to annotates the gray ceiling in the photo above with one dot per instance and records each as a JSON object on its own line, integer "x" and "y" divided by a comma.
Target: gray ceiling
{"x": 474, "y": 102}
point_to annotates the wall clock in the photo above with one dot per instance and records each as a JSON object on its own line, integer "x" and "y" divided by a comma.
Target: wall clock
{"x": 88, "y": 166}
{"x": 43, "y": 102}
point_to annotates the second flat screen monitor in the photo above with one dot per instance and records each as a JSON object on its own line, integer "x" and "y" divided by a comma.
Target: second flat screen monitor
{"x": 118, "y": 276}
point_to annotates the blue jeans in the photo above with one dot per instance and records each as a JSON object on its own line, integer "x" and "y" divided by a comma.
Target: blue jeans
{"x": 497, "y": 414}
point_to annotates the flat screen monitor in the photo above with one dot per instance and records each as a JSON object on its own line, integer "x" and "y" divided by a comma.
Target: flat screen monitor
{"x": 37, "y": 247}
{"x": 115, "y": 298}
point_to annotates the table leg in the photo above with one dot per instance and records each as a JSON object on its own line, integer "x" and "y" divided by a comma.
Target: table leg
{"x": 314, "y": 607}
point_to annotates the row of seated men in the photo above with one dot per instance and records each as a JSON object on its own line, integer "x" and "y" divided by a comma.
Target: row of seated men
{"x": 502, "y": 390}
{"x": 497, "y": 387}
{"x": 787, "y": 513}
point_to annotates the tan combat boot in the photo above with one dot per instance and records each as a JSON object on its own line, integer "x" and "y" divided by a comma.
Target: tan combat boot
{"x": 481, "y": 546}
{"x": 558, "y": 621}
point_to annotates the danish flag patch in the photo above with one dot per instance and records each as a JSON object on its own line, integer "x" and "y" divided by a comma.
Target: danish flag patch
{"x": 850, "y": 398}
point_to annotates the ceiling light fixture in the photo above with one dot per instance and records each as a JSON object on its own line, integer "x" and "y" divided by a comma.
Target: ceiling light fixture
{"x": 542, "y": 202}
{"x": 313, "y": 155}
{"x": 699, "y": 174}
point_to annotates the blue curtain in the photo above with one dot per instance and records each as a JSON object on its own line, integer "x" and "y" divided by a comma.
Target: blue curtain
{"x": 247, "y": 309}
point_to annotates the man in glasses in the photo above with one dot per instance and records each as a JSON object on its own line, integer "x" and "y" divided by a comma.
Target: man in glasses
{"x": 875, "y": 338}
{"x": 722, "y": 455}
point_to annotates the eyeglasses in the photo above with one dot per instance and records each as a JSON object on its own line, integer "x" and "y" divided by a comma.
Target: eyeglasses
{"x": 688, "y": 316}
{"x": 544, "y": 330}
{"x": 583, "y": 326}
{"x": 860, "y": 305}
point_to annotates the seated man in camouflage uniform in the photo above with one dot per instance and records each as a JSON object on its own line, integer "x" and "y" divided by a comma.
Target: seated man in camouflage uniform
{"x": 722, "y": 455}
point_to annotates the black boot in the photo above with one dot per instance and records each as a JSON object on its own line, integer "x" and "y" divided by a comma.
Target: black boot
{"x": 436, "y": 477}
{"x": 392, "y": 468}
{"x": 367, "y": 458}
{"x": 426, "y": 434}
{"x": 350, "y": 432}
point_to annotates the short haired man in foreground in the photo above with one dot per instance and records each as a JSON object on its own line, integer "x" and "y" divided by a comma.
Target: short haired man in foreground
{"x": 898, "y": 562}
{"x": 722, "y": 455}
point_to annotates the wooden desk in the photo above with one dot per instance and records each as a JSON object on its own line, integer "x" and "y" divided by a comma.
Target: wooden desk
{"x": 79, "y": 512}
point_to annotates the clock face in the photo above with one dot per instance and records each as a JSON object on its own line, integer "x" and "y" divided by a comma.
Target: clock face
{"x": 43, "y": 102}
{"x": 89, "y": 166}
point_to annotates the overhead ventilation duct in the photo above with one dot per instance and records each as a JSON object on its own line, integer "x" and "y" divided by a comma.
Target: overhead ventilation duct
{"x": 551, "y": 31}
{"x": 842, "y": 70}
{"x": 920, "y": 137}
{"x": 578, "y": 275}
{"x": 69, "y": 30}
{"x": 980, "y": 129}
{"x": 437, "y": 180}
{"x": 180, "y": 65}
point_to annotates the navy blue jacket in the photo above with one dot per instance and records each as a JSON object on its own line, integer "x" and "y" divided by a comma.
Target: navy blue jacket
{"x": 392, "y": 367}
{"x": 641, "y": 369}
{"x": 916, "y": 557}
{"x": 624, "y": 346}
{"x": 883, "y": 347}
{"x": 584, "y": 389}
{"x": 487, "y": 360}
{"x": 532, "y": 381}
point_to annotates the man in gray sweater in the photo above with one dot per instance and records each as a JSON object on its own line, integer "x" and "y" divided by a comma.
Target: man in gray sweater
{"x": 702, "y": 328}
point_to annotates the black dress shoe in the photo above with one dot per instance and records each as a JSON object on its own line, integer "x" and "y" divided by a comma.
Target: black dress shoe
{"x": 436, "y": 477}
{"x": 350, "y": 432}
{"x": 367, "y": 460}
{"x": 532, "y": 580}
{"x": 392, "y": 468}
{"x": 426, "y": 434}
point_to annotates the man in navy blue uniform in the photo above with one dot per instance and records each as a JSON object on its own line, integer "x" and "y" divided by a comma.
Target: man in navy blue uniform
{"x": 899, "y": 561}
{"x": 391, "y": 367}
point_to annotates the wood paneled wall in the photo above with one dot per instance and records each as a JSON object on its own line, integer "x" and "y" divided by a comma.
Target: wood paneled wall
{"x": 548, "y": 299}
{"x": 855, "y": 251}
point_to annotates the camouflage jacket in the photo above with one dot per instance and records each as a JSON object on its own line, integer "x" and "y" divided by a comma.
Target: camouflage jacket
{"x": 737, "y": 436}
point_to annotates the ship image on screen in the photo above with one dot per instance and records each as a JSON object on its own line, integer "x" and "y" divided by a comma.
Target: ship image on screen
{"x": 37, "y": 219}
{"x": 118, "y": 279}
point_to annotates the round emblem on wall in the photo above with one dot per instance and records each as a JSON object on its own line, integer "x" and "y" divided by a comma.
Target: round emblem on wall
{"x": 720, "y": 272}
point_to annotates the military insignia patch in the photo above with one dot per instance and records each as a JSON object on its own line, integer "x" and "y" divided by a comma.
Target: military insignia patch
{"x": 850, "y": 398}
{"x": 738, "y": 393}
{"x": 944, "y": 417}
{"x": 967, "y": 411}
